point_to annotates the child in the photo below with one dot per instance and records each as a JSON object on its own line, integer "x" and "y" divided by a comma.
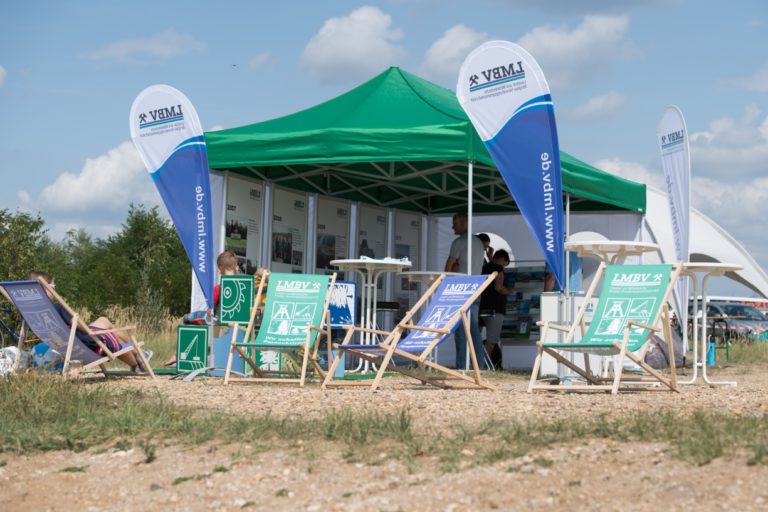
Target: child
{"x": 226, "y": 262}
{"x": 114, "y": 341}
{"x": 227, "y": 265}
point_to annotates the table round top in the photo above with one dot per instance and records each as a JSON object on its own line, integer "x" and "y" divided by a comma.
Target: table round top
{"x": 371, "y": 264}
{"x": 710, "y": 267}
{"x": 420, "y": 275}
{"x": 611, "y": 250}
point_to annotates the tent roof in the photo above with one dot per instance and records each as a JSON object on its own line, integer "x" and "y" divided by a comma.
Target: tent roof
{"x": 397, "y": 141}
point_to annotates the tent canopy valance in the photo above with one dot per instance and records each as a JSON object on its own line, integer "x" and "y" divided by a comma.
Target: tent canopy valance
{"x": 397, "y": 141}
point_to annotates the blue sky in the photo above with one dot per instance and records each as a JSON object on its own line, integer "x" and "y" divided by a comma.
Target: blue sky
{"x": 70, "y": 70}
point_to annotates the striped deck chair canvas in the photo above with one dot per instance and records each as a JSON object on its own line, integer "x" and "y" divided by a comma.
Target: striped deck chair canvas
{"x": 40, "y": 316}
{"x": 294, "y": 314}
{"x": 633, "y": 305}
{"x": 447, "y": 300}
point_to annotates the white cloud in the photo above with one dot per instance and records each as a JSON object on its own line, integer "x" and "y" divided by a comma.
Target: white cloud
{"x": 163, "y": 46}
{"x": 733, "y": 204}
{"x": 737, "y": 148}
{"x": 632, "y": 171}
{"x": 571, "y": 57}
{"x": 106, "y": 185}
{"x": 3, "y": 74}
{"x": 758, "y": 82}
{"x": 260, "y": 60}
{"x": 354, "y": 46}
{"x": 598, "y": 107}
{"x": 445, "y": 56}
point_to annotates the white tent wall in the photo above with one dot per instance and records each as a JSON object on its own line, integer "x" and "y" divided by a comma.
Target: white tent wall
{"x": 709, "y": 242}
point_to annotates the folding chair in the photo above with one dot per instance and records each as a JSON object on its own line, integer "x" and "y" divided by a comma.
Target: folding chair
{"x": 295, "y": 313}
{"x": 449, "y": 299}
{"x": 40, "y": 316}
{"x": 632, "y": 306}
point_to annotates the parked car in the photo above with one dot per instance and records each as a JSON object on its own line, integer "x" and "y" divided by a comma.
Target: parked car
{"x": 736, "y": 321}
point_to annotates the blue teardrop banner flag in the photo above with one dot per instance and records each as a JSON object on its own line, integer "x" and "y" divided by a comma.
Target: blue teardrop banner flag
{"x": 503, "y": 91}
{"x": 167, "y": 133}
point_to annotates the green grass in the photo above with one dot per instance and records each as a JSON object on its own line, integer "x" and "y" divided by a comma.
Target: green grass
{"x": 748, "y": 353}
{"x": 43, "y": 413}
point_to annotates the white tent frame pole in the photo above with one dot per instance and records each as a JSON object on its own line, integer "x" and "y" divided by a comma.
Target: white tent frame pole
{"x": 470, "y": 233}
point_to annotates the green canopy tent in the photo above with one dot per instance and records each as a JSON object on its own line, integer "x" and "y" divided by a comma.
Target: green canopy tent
{"x": 397, "y": 141}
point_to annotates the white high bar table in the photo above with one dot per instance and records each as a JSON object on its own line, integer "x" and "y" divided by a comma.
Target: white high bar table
{"x": 369, "y": 270}
{"x": 706, "y": 270}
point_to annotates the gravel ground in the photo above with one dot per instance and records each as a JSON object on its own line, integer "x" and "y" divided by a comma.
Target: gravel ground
{"x": 588, "y": 475}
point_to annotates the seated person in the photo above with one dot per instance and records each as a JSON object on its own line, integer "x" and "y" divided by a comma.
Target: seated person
{"x": 226, "y": 262}
{"x": 114, "y": 341}
{"x": 494, "y": 298}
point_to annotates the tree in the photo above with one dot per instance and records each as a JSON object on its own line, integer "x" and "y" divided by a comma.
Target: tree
{"x": 156, "y": 261}
{"x": 21, "y": 236}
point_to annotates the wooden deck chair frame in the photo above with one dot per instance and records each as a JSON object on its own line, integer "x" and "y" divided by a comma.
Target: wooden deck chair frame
{"x": 388, "y": 349}
{"x": 310, "y": 351}
{"x": 654, "y": 381}
{"x": 77, "y": 323}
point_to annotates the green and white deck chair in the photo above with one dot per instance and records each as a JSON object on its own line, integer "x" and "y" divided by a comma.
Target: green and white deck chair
{"x": 632, "y": 306}
{"x": 449, "y": 299}
{"x": 41, "y": 317}
{"x": 295, "y": 314}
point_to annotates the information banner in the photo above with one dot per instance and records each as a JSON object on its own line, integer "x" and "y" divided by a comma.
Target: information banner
{"x": 630, "y": 292}
{"x": 167, "y": 134}
{"x": 503, "y": 91}
{"x": 293, "y": 304}
{"x": 672, "y": 136}
{"x": 343, "y": 305}
{"x": 236, "y": 299}
{"x": 450, "y": 296}
{"x": 191, "y": 348}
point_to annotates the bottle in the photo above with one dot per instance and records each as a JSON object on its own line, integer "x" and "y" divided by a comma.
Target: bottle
{"x": 711, "y": 353}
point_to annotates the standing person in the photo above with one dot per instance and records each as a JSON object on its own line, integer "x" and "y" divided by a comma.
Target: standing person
{"x": 494, "y": 298}
{"x": 457, "y": 262}
{"x": 486, "y": 246}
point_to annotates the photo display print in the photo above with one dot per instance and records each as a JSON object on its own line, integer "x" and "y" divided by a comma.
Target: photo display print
{"x": 630, "y": 293}
{"x": 453, "y": 293}
{"x": 294, "y": 302}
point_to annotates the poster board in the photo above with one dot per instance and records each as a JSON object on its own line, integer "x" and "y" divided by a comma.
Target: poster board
{"x": 407, "y": 245}
{"x": 332, "y": 233}
{"x": 289, "y": 231}
{"x": 243, "y": 221}
{"x": 372, "y": 232}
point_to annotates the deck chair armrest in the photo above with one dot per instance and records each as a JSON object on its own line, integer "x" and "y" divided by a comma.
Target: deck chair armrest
{"x": 116, "y": 329}
{"x": 632, "y": 323}
{"x": 423, "y": 328}
{"x": 557, "y": 327}
{"x": 365, "y": 329}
